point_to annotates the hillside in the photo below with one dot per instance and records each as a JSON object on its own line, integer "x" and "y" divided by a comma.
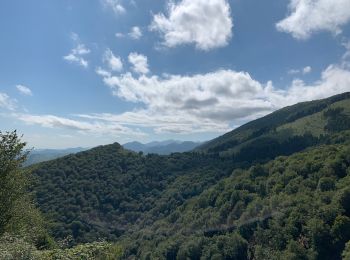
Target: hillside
{"x": 294, "y": 207}
{"x": 308, "y": 120}
{"x": 162, "y": 148}
{"x": 102, "y": 192}
{"x": 233, "y": 198}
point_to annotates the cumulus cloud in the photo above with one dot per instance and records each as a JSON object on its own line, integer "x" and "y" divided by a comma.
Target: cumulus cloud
{"x": 115, "y": 5}
{"x": 206, "y": 24}
{"x": 211, "y": 102}
{"x": 310, "y": 16}
{"x": 135, "y": 33}
{"x": 7, "y": 102}
{"x": 113, "y": 62}
{"x": 24, "y": 90}
{"x": 139, "y": 63}
{"x": 77, "y": 54}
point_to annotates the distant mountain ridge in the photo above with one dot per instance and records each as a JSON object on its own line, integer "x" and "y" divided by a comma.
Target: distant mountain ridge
{"x": 42, "y": 155}
{"x": 162, "y": 147}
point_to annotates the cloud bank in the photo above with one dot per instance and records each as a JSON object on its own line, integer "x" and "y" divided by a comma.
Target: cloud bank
{"x": 211, "y": 102}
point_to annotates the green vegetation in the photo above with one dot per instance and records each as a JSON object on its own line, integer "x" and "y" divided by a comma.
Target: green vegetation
{"x": 17, "y": 248}
{"x": 275, "y": 188}
{"x": 294, "y": 207}
{"x": 23, "y": 233}
{"x": 101, "y": 193}
{"x": 308, "y": 118}
{"x": 18, "y": 216}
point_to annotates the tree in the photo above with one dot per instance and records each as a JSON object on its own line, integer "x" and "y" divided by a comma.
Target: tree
{"x": 13, "y": 180}
{"x": 18, "y": 216}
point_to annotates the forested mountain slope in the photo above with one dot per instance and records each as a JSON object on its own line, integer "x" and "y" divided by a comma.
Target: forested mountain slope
{"x": 102, "y": 192}
{"x": 303, "y": 122}
{"x": 294, "y": 207}
{"x": 231, "y": 199}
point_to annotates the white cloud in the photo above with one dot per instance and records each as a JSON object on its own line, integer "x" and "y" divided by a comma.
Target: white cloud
{"x": 113, "y": 62}
{"x": 293, "y": 71}
{"x": 119, "y": 35}
{"x": 307, "y": 70}
{"x": 102, "y": 72}
{"x": 7, "y": 102}
{"x": 139, "y": 63}
{"x": 24, "y": 90}
{"x": 310, "y": 16}
{"x": 347, "y": 52}
{"x": 86, "y": 127}
{"x": 115, "y": 5}
{"x": 77, "y": 54}
{"x": 135, "y": 33}
{"x": 211, "y": 102}
{"x": 207, "y": 24}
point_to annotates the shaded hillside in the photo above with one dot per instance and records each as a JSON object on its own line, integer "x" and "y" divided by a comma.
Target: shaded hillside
{"x": 294, "y": 207}
{"x": 102, "y": 192}
{"x": 300, "y": 123}
{"x": 162, "y": 148}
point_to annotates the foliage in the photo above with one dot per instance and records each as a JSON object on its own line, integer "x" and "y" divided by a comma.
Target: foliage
{"x": 13, "y": 180}
{"x": 18, "y": 215}
{"x": 289, "y": 120}
{"x": 272, "y": 211}
{"x": 101, "y": 193}
{"x": 92, "y": 251}
{"x": 17, "y": 248}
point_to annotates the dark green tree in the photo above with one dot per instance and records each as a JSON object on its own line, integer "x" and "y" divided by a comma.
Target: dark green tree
{"x": 13, "y": 180}
{"x": 18, "y": 216}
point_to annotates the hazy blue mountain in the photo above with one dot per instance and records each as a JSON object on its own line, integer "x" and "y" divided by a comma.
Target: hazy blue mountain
{"x": 42, "y": 155}
{"x": 162, "y": 147}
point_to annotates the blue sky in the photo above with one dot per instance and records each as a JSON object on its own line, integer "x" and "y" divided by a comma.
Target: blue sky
{"x": 84, "y": 73}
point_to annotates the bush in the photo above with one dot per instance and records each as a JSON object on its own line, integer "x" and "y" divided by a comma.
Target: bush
{"x": 15, "y": 248}
{"x": 92, "y": 251}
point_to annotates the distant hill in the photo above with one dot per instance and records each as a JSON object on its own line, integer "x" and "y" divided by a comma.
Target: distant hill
{"x": 42, "y": 155}
{"x": 162, "y": 147}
